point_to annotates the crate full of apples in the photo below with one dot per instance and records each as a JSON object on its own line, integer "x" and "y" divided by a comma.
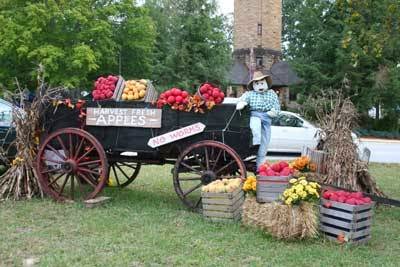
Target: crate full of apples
{"x": 106, "y": 87}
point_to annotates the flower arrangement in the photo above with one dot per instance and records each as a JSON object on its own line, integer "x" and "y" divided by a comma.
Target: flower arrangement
{"x": 301, "y": 190}
{"x": 250, "y": 185}
{"x": 303, "y": 164}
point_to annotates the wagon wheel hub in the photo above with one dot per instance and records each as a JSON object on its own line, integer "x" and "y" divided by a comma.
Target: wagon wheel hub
{"x": 70, "y": 166}
{"x": 208, "y": 177}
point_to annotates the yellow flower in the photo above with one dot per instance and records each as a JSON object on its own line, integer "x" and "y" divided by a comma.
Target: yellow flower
{"x": 303, "y": 182}
{"x": 292, "y": 181}
{"x": 294, "y": 196}
{"x": 286, "y": 193}
{"x": 299, "y": 187}
{"x": 289, "y": 201}
{"x": 303, "y": 195}
{"x": 309, "y": 188}
{"x": 302, "y": 178}
{"x": 254, "y": 186}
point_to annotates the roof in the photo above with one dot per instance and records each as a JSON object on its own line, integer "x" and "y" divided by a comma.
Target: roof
{"x": 281, "y": 72}
{"x": 239, "y": 74}
{"x": 283, "y": 75}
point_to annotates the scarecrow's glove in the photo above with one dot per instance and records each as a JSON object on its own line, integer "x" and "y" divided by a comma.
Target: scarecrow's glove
{"x": 240, "y": 105}
{"x": 272, "y": 113}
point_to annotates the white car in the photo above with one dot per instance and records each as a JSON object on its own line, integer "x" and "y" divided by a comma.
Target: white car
{"x": 5, "y": 113}
{"x": 292, "y": 134}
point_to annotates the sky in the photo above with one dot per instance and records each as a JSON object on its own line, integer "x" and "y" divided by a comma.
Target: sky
{"x": 226, "y": 6}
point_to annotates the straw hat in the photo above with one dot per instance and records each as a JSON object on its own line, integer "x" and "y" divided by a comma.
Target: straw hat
{"x": 258, "y": 76}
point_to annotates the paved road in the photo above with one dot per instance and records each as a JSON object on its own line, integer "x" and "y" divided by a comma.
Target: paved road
{"x": 382, "y": 151}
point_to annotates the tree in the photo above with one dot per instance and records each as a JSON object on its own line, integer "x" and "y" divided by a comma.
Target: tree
{"x": 74, "y": 40}
{"x": 329, "y": 42}
{"x": 193, "y": 44}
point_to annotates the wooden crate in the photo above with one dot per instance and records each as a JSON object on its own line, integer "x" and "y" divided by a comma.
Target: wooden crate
{"x": 150, "y": 96}
{"x": 318, "y": 157}
{"x": 270, "y": 188}
{"x": 223, "y": 206}
{"x": 119, "y": 87}
{"x": 349, "y": 221}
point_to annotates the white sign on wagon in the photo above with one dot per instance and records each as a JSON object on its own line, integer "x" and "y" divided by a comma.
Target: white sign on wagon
{"x": 124, "y": 117}
{"x": 176, "y": 135}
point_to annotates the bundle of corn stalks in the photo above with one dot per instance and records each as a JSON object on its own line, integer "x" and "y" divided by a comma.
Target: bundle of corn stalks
{"x": 337, "y": 116}
{"x": 20, "y": 181}
{"x": 281, "y": 221}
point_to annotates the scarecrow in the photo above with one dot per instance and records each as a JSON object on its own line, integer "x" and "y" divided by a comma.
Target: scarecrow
{"x": 264, "y": 105}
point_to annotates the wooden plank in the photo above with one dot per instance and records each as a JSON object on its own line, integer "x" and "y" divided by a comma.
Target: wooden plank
{"x": 222, "y": 201}
{"x": 273, "y": 178}
{"x": 350, "y": 242}
{"x": 271, "y": 190}
{"x": 336, "y": 213}
{"x": 363, "y": 215}
{"x": 348, "y": 207}
{"x": 364, "y": 232}
{"x": 344, "y": 224}
{"x": 222, "y": 195}
{"x": 272, "y": 185}
{"x": 124, "y": 117}
{"x": 225, "y": 208}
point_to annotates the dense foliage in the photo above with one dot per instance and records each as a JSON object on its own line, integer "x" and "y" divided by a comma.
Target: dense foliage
{"x": 193, "y": 43}
{"x": 75, "y": 40}
{"x": 329, "y": 42}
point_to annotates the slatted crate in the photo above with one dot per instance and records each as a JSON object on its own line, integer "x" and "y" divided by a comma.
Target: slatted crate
{"x": 223, "y": 206}
{"x": 350, "y": 222}
{"x": 270, "y": 188}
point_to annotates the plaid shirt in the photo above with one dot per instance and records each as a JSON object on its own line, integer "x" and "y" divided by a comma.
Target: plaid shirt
{"x": 262, "y": 102}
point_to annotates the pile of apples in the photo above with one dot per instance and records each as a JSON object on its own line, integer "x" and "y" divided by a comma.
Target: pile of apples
{"x": 104, "y": 87}
{"x": 355, "y": 198}
{"x": 277, "y": 169}
{"x": 211, "y": 93}
{"x": 134, "y": 90}
{"x": 174, "y": 96}
{"x": 223, "y": 186}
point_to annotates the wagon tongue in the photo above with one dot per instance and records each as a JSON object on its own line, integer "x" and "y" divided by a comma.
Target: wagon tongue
{"x": 208, "y": 177}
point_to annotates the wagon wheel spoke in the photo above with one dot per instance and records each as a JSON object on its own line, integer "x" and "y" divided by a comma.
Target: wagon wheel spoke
{"x": 216, "y": 160}
{"x": 88, "y": 170}
{"x": 197, "y": 203}
{"x": 86, "y": 154}
{"x": 97, "y": 162}
{"x": 60, "y": 141}
{"x": 225, "y": 166}
{"x": 51, "y": 170}
{"x": 69, "y": 181}
{"x": 190, "y": 179}
{"x": 63, "y": 185}
{"x": 79, "y": 148}
{"x": 56, "y": 179}
{"x": 55, "y": 151}
{"x": 71, "y": 146}
{"x": 72, "y": 188}
{"x": 116, "y": 175}
{"x": 207, "y": 158}
{"x": 192, "y": 189}
{"x": 191, "y": 168}
{"x": 87, "y": 179}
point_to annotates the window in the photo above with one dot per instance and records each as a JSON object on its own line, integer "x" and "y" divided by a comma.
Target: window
{"x": 5, "y": 115}
{"x": 259, "y": 61}
{"x": 259, "y": 29}
{"x": 286, "y": 120}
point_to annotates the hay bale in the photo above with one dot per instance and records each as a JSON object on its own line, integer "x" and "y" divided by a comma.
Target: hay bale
{"x": 281, "y": 221}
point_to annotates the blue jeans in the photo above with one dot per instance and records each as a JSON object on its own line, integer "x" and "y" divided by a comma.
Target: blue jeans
{"x": 260, "y": 125}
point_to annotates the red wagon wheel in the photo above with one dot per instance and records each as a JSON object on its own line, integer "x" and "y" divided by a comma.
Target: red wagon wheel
{"x": 122, "y": 174}
{"x": 202, "y": 163}
{"x": 71, "y": 164}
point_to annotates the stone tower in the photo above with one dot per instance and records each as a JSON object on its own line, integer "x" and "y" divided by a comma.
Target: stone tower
{"x": 257, "y": 32}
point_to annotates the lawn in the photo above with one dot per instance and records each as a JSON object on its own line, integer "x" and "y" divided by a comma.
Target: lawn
{"x": 146, "y": 225}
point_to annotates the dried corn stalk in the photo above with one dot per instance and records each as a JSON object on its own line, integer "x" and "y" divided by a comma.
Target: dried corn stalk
{"x": 337, "y": 117}
{"x": 20, "y": 181}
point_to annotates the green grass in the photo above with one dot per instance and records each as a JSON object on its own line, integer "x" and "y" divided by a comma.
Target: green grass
{"x": 146, "y": 225}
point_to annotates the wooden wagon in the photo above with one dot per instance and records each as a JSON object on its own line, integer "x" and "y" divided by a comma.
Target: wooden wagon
{"x": 77, "y": 157}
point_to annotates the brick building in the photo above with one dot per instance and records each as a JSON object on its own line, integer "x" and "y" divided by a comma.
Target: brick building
{"x": 257, "y": 46}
